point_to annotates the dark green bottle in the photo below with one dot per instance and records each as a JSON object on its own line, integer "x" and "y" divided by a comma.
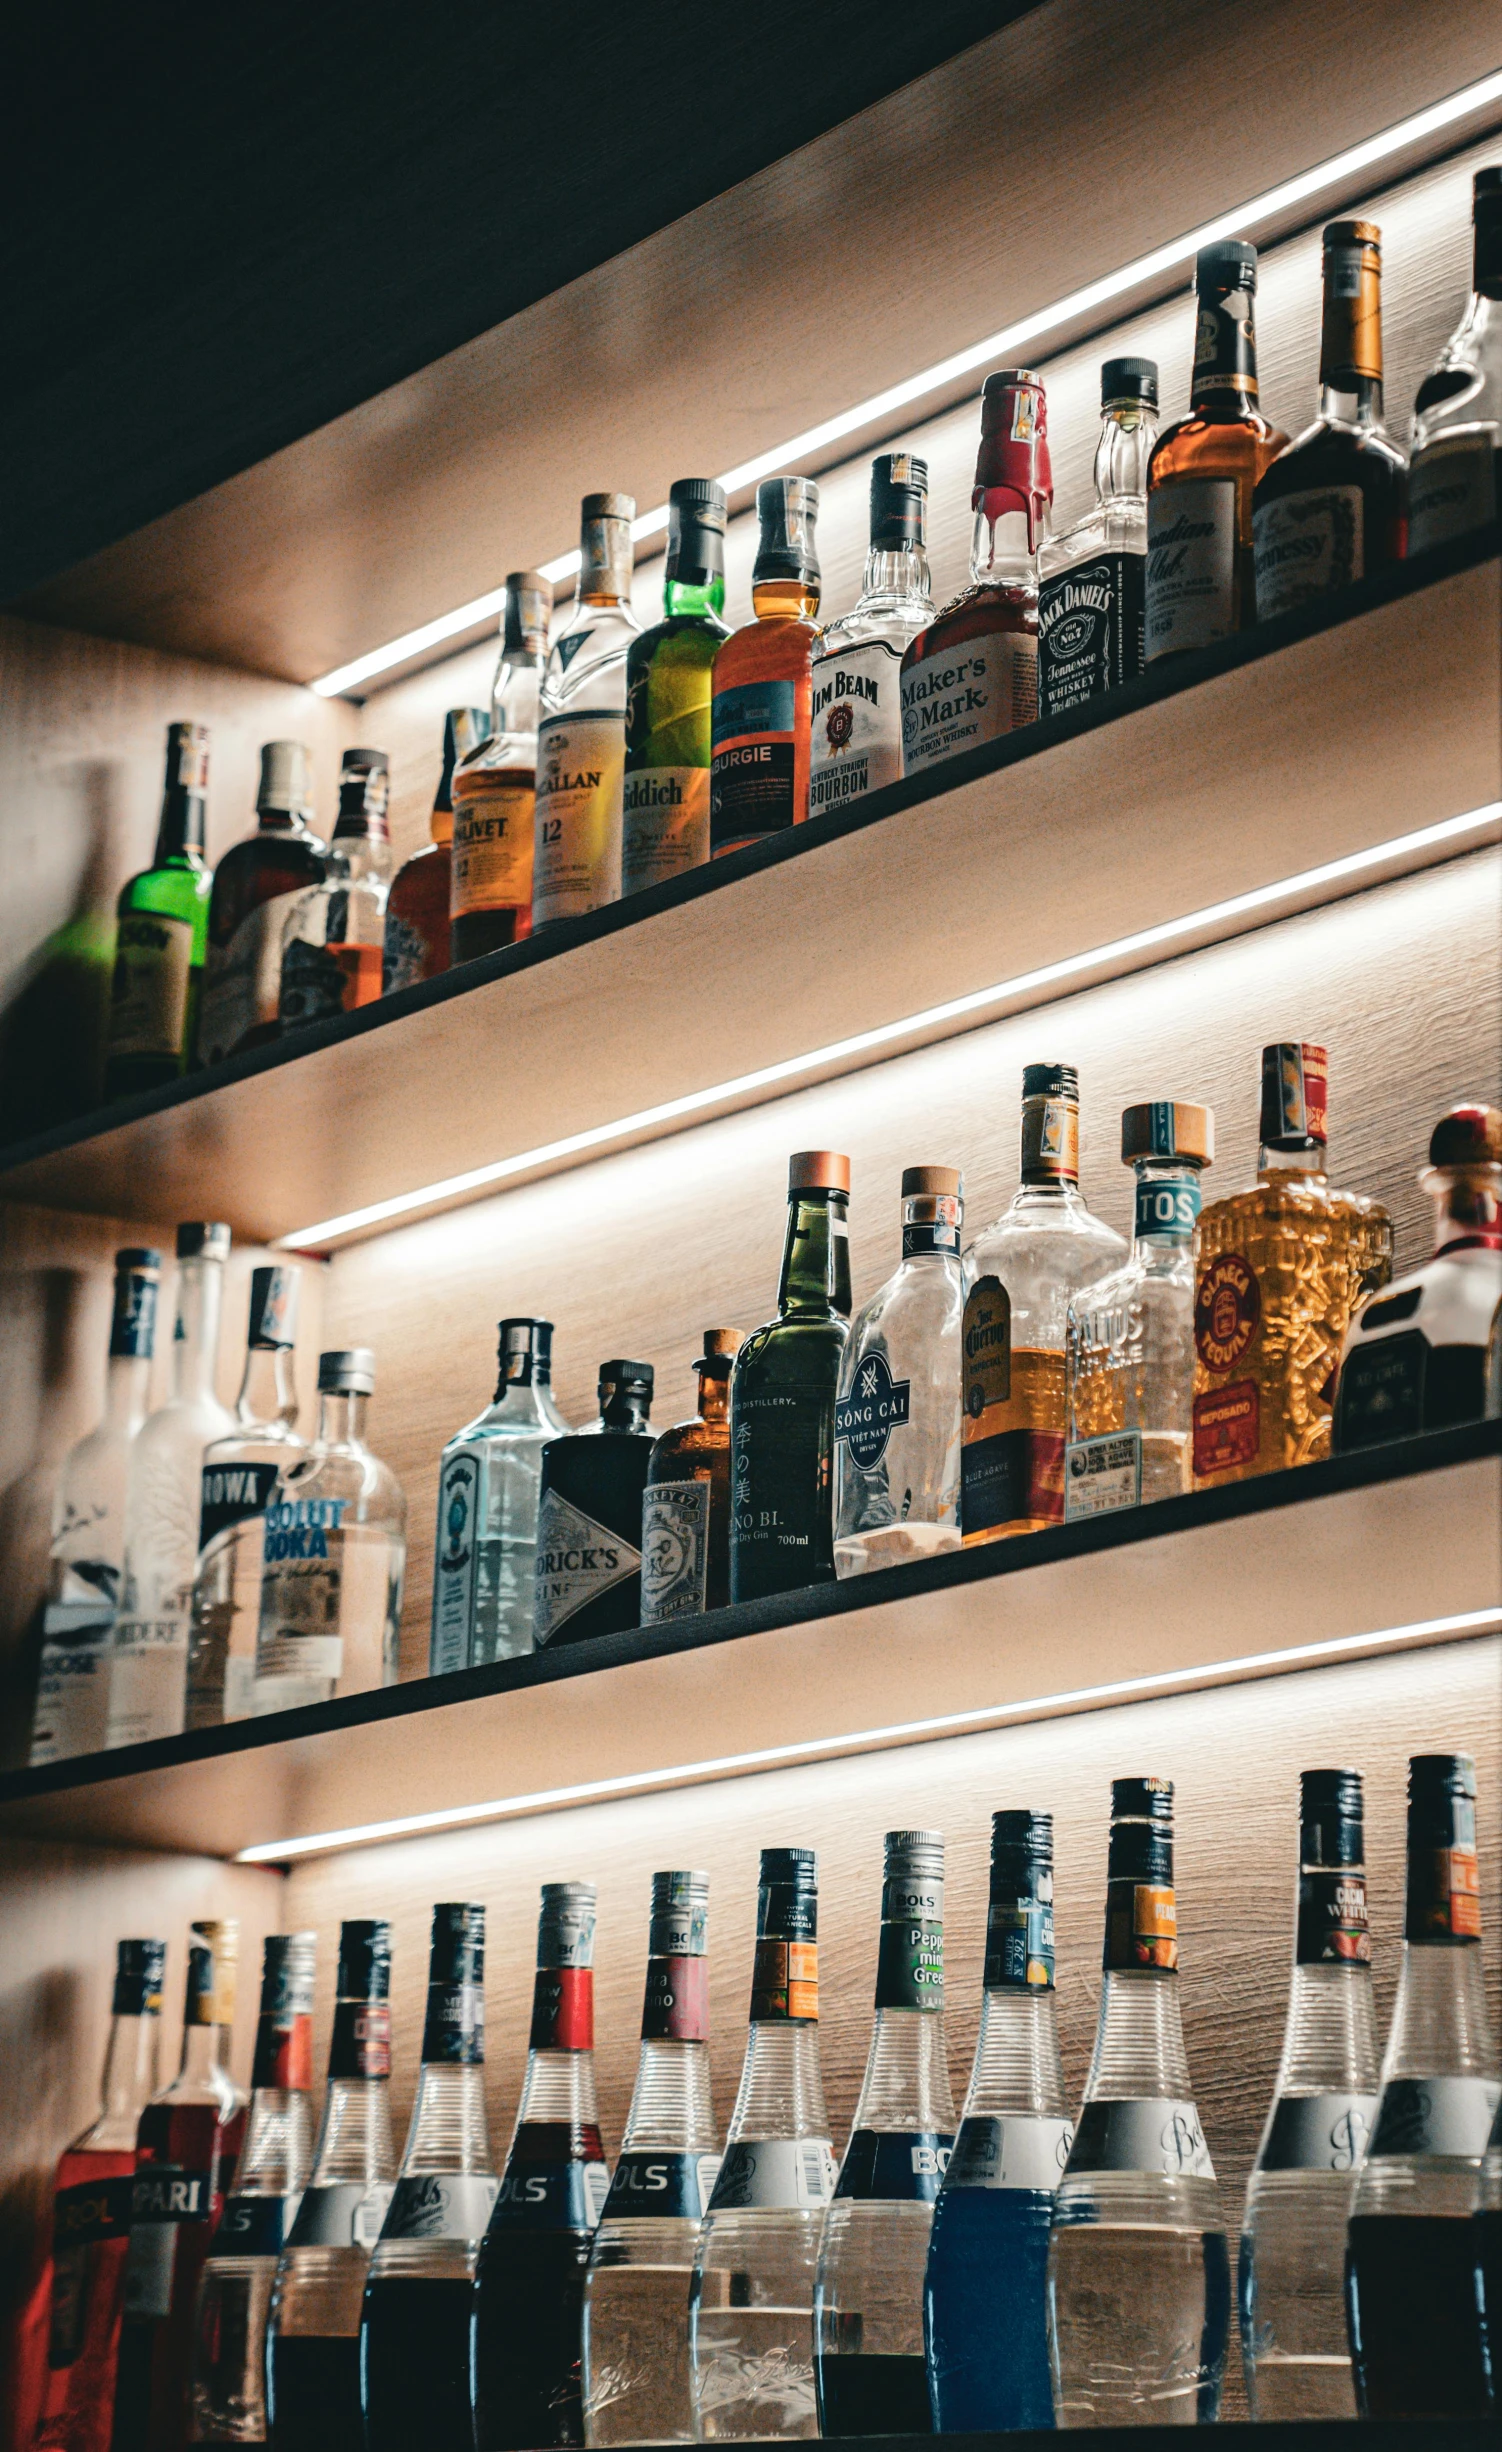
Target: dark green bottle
{"x": 161, "y": 930}
{"x": 665, "y": 826}
{"x": 782, "y": 1395}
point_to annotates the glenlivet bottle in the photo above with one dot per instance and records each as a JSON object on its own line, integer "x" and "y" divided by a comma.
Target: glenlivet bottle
{"x": 161, "y": 931}
{"x": 855, "y": 740}
{"x": 759, "y": 776}
{"x": 897, "y": 1421}
{"x": 1455, "y": 482}
{"x": 1091, "y": 589}
{"x": 581, "y": 733}
{"x": 415, "y": 944}
{"x": 668, "y": 688}
{"x": 589, "y": 1520}
{"x": 255, "y": 886}
{"x": 239, "y": 1481}
{"x": 783, "y": 1393}
{"x": 495, "y": 788}
{"x": 489, "y": 1491}
{"x": 336, "y": 1553}
{"x": 685, "y": 1522}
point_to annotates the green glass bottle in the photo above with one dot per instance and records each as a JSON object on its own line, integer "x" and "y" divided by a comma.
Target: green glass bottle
{"x": 782, "y": 1395}
{"x": 668, "y": 691}
{"x": 162, "y": 925}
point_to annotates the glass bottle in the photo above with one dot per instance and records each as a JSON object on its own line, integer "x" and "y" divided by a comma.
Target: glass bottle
{"x": 489, "y": 1491}
{"x": 685, "y": 1523}
{"x": 589, "y": 1518}
{"x": 581, "y": 731}
{"x": 1092, "y": 601}
{"x": 527, "y": 2311}
{"x": 161, "y": 931}
{"x": 868, "y": 2289}
{"x": 255, "y": 887}
{"x": 414, "y": 2319}
{"x": 415, "y": 944}
{"x": 668, "y": 682}
{"x": 751, "y": 2298}
{"x": 1455, "y": 481}
{"x": 1486, "y": 2228}
{"x": 490, "y": 866}
{"x": 1139, "y": 2292}
{"x": 783, "y": 1393}
{"x": 336, "y": 1553}
{"x": 897, "y": 1421}
{"x": 637, "y": 2374}
{"x": 855, "y": 734}
{"x": 972, "y": 673}
{"x": 762, "y": 687}
{"x": 1129, "y": 1340}
{"x": 333, "y": 934}
{"x": 1021, "y": 1275}
{"x": 1410, "y": 2252}
{"x": 1293, "y": 2235}
{"x": 985, "y": 2299}
{"x": 239, "y": 1481}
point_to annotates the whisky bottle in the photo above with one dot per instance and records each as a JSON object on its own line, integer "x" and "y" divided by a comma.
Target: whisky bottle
{"x": 1281, "y": 1267}
{"x": 589, "y": 1520}
{"x": 972, "y": 673}
{"x": 335, "y": 1555}
{"x": 783, "y": 1393}
{"x": 495, "y": 788}
{"x": 685, "y": 1523}
{"x": 1020, "y": 1275}
{"x": 669, "y": 680}
{"x": 415, "y": 944}
{"x": 897, "y": 1419}
{"x": 333, "y": 935}
{"x": 489, "y": 1491}
{"x": 1455, "y": 482}
{"x": 161, "y": 933}
{"x": 759, "y": 771}
{"x": 581, "y": 733}
{"x": 1091, "y": 587}
{"x": 239, "y": 1481}
{"x": 255, "y": 886}
{"x": 855, "y": 741}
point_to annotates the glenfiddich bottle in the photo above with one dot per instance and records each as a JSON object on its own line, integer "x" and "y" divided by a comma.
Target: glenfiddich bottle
{"x": 783, "y": 1392}
{"x": 495, "y": 788}
{"x": 161, "y": 933}
{"x": 581, "y": 733}
{"x": 685, "y": 1522}
{"x": 897, "y": 1423}
{"x": 855, "y": 740}
{"x": 255, "y": 887}
{"x": 416, "y": 942}
{"x": 1455, "y": 483}
{"x": 1091, "y": 599}
{"x": 590, "y": 1517}
{"x": 669, "y": 687}
{"x": 762, "y": 690}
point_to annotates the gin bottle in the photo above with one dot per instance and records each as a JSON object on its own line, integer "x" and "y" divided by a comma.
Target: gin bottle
{"x": 783, "y": 1393}
{"x": 333, "y": 934}
{"x": 255, "y": 886}
{"x": 589, "y": 1517}
{"x": 1455, "y": 481}
{"x": 490, "y": 870}
{"x": 855, "y": 739}
{"x": 685, "y": 1520}
{"x": 161, "y": 930}
{"x": 336, "y": 1550}
{"x": 868, "y": 2290}
{"x": 1091, "y": 593}
{"x": 637, "y": 2379}
{"x": 759, "y": 774}
{"x": 239, "y": 1479}
{"x": 1298, "y": 2200}
{"x": 897, "y": 1421}
{"x": 751, "y": 2299}
{"x": 581, "y": 731}
{"x": 669, "y": 680}
{"x": 1138, "y": 2274}
{"x": 489, "y": 1491}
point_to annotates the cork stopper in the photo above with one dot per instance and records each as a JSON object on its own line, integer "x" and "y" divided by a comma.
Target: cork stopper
{"x": 818, "y": 1170}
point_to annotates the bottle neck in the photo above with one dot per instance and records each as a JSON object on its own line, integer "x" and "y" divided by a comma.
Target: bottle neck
{"x": 1127, "y": 435}
{"x": 205, "y": 2060}
{"x": 513, "y": 695}
{"x": 1330, "y": 2043}
{"x": 1352, "y": 401}
{"x": 785, "y": 600}
{"x": 671, "y": 2105}
{"x": 815, "y": 1256}
{"x": 714, "y": 1395}
{"x": 1224, "y": 381}
{"x": 267, "y": 1392}
{"x": 1309, "y": 1160}
{"x": 1440, "y": 2026}
{"x": 130, "y": 2067}
{"x": 1017, "y": 2065}
{"x": 906, "y": 2084}
{"x": 704, "y": 598}
{"x": 341, "y": 1418}
{"x": 449, "y": 2131}
{"x": 625, "y": 1408}
{"x": 1002, "y": 554}
{"x": 559, "y": 2086}
{"x": 896, "y": 575}
{"x": 782, "y": 2085}
{"x": 179, "y": 834}
{"x": 354, "y": 2139}
{"x": 281, "y": 821}
{"x": 1467, "y": 1206}
{"x": 195, "y": 1327}
{"x": 125, "y": 1386}
{"x": 1166, "y": 1205}
{"x": 1139, "y": 2042}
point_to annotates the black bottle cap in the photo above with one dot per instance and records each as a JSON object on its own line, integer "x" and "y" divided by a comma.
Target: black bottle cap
{"x": 1487, "y": 215}
{"x": 1435, "y": 1776}
{"x": 348, "y": 1371}
{"x": 789, "y": 1869}
{"x": 458, "y": 1951}
{"x": 697, "y": 518}
{"x": 627, "y": 1375}
{"x": 364, "y": 1959}
{"x": 1330, "y": 1818}
{"x": 899, "y": 502}
{"x": 1142, "y": 1800}
{"x": 139, "y": 1967}
{"x": 273, "y": 1309}
{"x": 364, "y": 783}
{"x": 136, "y": 1256}
{"x": 786, "y": 508}
{"x": 1021, "y": 1847}
{"x": 1050, "y": 1081}
{"x": 524, "y": 1349}
{"x": 1129, "y": 379}
{"x": 200, "y": 1239}
{"x": 1229, "y": 264}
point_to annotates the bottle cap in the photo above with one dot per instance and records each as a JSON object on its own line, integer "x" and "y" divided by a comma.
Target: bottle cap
{"x": 464, "y": 728}
{"x": 1295, "y": 1095}
{"x": 202, "y": 1240}
{"x": 364, "y": 790}
{"x": 1050, "y": 1081}
{"x": 457, "y": 1955}
{"x": 364, "y": 1959}
{"x": 1167, "y": 1128}
{"x": 1431, "y": 1776}
{"x": 1351, "y": 234}
{"x": 931, "y": 1183}
{"x": 680, "y": 1915}
{"x": 273, "y": 1308}
{"x": 1142, "y": 1800}
{"x": 697, "y": 519}
{"x": 1012, "y": 471}
{"x": 913, "y": 1855}
{"x": 1229, "y": 264}
{"x": 527, "y": 613}
{"x": 284, "y": 784}
{"x": 789, "y": 1869}
{"x": 1128, "y": 382}
{"x": 213, "y": 1960}
{"x": 566, "y": 1924}
{"x": 136, "y": 1256}
{"x": 626, "y": 1374}
{"x": 786, "y": 510}
{"x": 524, "y": 1349}
{"x": 288, "y": 1964}
{"x": 188, "y": 759}
{"x": 718, "y": 1351}
{"x": 1487, "y": 243}
{"x": 1020, "y": 1834}
{"x": 608, "y": 506}
{"x": 818, "y": 1170}
{"x": 1330, "y": 1818}
{"x": 348, "y": 1372}
{"x": 899, "y": 502}
{"x": 1470, "y": 1135}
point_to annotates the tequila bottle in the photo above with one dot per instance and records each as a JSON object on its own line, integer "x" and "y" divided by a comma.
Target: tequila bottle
{"x": 759, "y": 776}
{"x": 668, "y": 688}
{"x": 581, "y": 732}
{"x": 255, "y": 887}
{"x": 489, "y": 1491}
{"x": 590, "y": 1516}
{"x": 1455, "y": 482}
{"x": 495, "y": 788}
{"x": 855, "y": 739}
{"x": 333, "y": 934}
{"x": 239, "y": 1481}
{"x": 336, "y": 1551}
{"x": 897, "y": 1420}
{"x": 161, "y": 931}
{"x": 783, "y": 1393}
{"x": 415, "y": 944}
{"x": 685, "y": 1523}
{"x": 1092, "y": 601}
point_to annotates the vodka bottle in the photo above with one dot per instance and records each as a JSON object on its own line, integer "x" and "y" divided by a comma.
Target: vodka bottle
{"x": 1138, "y": 2274}
{"x": 751, "y": 2299}
{"x": 335, "y": 1555}
{"x": 414, "y": 2321}
{"x": 868, "y": 2290}
{"x": 1410, "y": 2274}
{"x": 581, "y": 729}
{"x": 637, "y": 2382}
{"x": 1298, "y": 2200}
{"x": 234, "y": 2296}
{"x": 1455, "y": 482}
{"x": 897, "y": 1419}
{"x": 239, "y": 1479}
{"x": 1092, "y": 601}
{"x": 986, "y": 2292}
{"x": 163, "y": 1496}
{"x": 855, "y": 739}
{"x": 489, "y": 1486}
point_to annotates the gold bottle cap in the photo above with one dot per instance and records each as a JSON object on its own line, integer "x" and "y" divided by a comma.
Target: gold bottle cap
{"x": 213, "y": 1963}
{"x": 1168, "y": 1128}
{"x": 1351, "y": 329}
{"x": 818, "y": 1170}
{"x": 931, "y": 1183}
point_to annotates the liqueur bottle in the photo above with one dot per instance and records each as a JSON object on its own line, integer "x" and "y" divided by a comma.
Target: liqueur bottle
{"x": 255, "y": 886}
{"x": 1092, "y": 602}
{"x": 985, "y": 2296}
{"x": 527, "y": 2311}
{"x": 161, "y": 931}
{"x": 868, "y": 2290}
{"x": 972, "y": 673}
{"x": 1021, "y": 1274}
{"x": 416, "y": 941}
{"x": 783, "y": 1393}
{"x": 494, "y": 788}
{"x": 414, "y": 2322}
{"x": 897, "y": 1419}
{"x": 1410, "y": 2253}
{"x": 336, "y": 1552}
{"x": 313, "y": 2330}
{"x": 751, "y": 2298}
{"x": 1455, "y": 482}
{"x": 1205, "y": 468}
{"x": 239, "y": 1481}
{"x": 234, "y": 2295}
{"x": 685, "y": 1520}
{"x": 1486, "y": 2227}
{"x": 1414, "y": 1359}
{"x": 1298, "y": 2200}
{"x": 759, "y": 776}
{"x": 581, "y": 733}
{"x": 855, "y": 737}
{"x": 489, "y": 1491}
{"x": 1129, "y": 1342}
{"x": 1138, "y": 2275}
{"x": 1281, "y": 1267}
{"x": 668, "y": 688}
{"x": 590, "y": 1515}
{"x": 333, "y": 934}
{"x": 637, "y": 2380}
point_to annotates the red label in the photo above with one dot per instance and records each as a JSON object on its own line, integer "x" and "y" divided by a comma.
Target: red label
{"x": 1045, "y": 1480}
{"x": 1227, "y": 1427}
{"x": 1227, "y": 1312}
{"x": 677, "y": 2003}
{"x": 284, "y": 2055}
{"x": 563, "y": 2010}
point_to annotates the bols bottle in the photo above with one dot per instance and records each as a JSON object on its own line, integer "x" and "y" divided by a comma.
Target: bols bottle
{"x": 783, "y": 1393}
{"x": 489, "y": 1491}
{"x": 240, "y": 1475}
{"x": 685, "y": 1524}
{"x": 855, "y": 740}
{"x": 1091, "y": 591}
{"x": 897, "y": 1422}
{"x": 669, "y": 686}
{"x": 590, "y": 1516}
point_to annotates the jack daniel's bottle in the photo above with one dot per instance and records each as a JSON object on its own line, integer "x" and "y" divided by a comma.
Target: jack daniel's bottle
{"x": 1091, "y": 600}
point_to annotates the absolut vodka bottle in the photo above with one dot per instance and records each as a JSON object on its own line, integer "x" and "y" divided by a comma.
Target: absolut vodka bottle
{"x": 986, "y": 2294}
{"x": 1138, "y": 2274}
{"x": 751, "y": 2301}
{"x": 489, "y": 1490}
{"x": 868, "y": 2292}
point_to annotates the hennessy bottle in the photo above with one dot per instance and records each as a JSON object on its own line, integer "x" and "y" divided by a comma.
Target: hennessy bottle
{"x": 783, "y": 1393}
{"x": 762, "y": 689}
{"x": 685, "y": 1524}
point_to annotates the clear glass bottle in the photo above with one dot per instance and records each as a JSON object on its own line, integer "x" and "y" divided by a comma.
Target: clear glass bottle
{"x": 669, "y": 672}
{"x": 685, "y": 1522}
{"x": 255, "y": 886}
{"x": 637, "y": 2370}
{"x": 1092, "y": 601}
{"x": 897, "y": 1418}
{"x": 751, "y": 2298}
{"x": 1455, "y": 480}
{"x": 855, "y": 735}
{"x": 417, "y": 935}
{"x": 1129, "y": 1342}
{"x": 868, "y": 2289}
{"x": 581, "y": 731}
{"x": 239, "y": 1481}
{"x": 762, "y": 691}
{"x": 783, "y": 1393}
{"x": 161, "y": 932}
{"x": 333, "y": 935}
{"x": 1139, "y": 2285}
{"x": 489, "y": 1491}
{"x": 589, "y": 1515}
{"x": 495, "y": 788}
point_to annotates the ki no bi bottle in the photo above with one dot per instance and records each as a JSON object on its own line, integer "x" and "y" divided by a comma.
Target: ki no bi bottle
{"x": 256, "y": 886}
{"x": 335, "y": 1556}
{"x": 581, "y": 733}
{"x": 1298, "y": 2200}
{"x": 528, "y": 2304}
{"x": 897, "y": 1419}
{"x": 589, "y": 1518}
{"x": 333, "y": 935}
{"x": 855, "y": 740}
{"x": 986, "y": 2287}
{"x": 1455, "y": 483}
{"x": 751, "y": 2298}
{"x": 240, "y": 1475}
{"x": 760, "y": 718}
{"x": 495, "y": 788}
{"x": 669, "y": 672}
{"x": 415, "y": 943}
{"x": 489, "y": 1491}
{"x": 637, "y": 2386}
{"x": 783, "y": 1395}
{"x": 1139, "y": 2290}
{"x": 1416, "y": 2343}
{"x": 161, "y": 933}
{"x": 685, "y": 1518}
{"x": 972, "y": 673}
{"x": 1091, "y": 587}
{"x": 868, "y": 2290}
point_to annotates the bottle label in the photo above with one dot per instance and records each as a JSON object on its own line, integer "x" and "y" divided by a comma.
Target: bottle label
{"x": 674, "y": 1550}
{"x": 877, "y": 1405}
{"x": 1443, "y": 1901}
{"x": 855, "y": 740}
{"x": 164, "y": 2197}
{"x": 133, "y": 1321}
{"x": 242, "y": 980}
{"x": 676, "y": 2007}
{"x": 319, "y": 982}
{"x": 490, "y": 863}
{"x": 1142, "y": 2135}
{"x": 1317, "y": 2132}
{"x": 1102, "y": 1475}
{"x": 93, "y": 2210}
{"x": 900, "y": 2166}
{"x": 1020, "y": 1939}
{"x": 1380, "y": 1392}
{"x": 568, "y": 2197}
{"x": 461, "y": 1509}
{"x": 72, "y": 1680}
{"x": 1452, "y": 488}
{"x": 665, "y": 824}
{"x": 408, "y": 954}
{"x": 910, "y": 1959}
{"x": 1436, "y": 2115}
{"x": 342, "y": 2214}
{"x": 361, "y": 2042}
{"x": 577, "y": 1560}
{"x": 1306, "y": 544}
{"x": 1332, "y": 1929}
{"x": 785, "y": 1979}
{"x": 1191, "y": 564}
{"x": 783, "y": 2174}
{"x": 961, "y": 696}
{"x": 1166, "y": 1211}
{"x": 782, "y": 1465}
{"x": 1020, "y": 2150}
{"x": 563, "y": 2010}
{"x": 752, "y": 787}
{"x": 581, "y": 769}
{"x": 940, "y": 1233}
{"x": 149, "y": 991}
{"x": 1142, "y": 1925}
{"x": 1012, "y": 1456}
{"x": 454, "y": 2025}
{"x": 298, "y": 1632}
{"x": 1091, "y": 622}
{"x": 647, "y": 2184}
{"x": 1226, "y": 1421}
{"x": 441, "y": 2205}
{"x": 1227, "y": 1428}
{"x": 233, "y": 1494}
{"x": 254, "y": 2226}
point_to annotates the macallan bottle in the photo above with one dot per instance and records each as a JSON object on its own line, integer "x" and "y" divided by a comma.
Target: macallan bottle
{"x": 762, "y": 690}
{"x": 255, "y": 887}
{"x": 685, "y": 1523}
{"x": 855, "y": 737}
{"x": 669, "y": 683}
{"x": 1091, "y": 602}
{"x": 581, "y": 731}
{"x": 783, "y": 1394}
{"x": 490, "y": 866}
{"x": 161, "y": 932}
{"x": 416, "y": 941}
{"x": 1455, "y": 483}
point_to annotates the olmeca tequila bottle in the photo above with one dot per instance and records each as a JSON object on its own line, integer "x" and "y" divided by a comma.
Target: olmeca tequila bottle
{"x": 897, "y": 1419}
{"x": 489, "y": 1490}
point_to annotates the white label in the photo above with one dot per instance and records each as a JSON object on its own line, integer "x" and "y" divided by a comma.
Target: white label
{"x": 461, "y": 1514}
{"x": 962, "y": 695}
{"x": 342, "y": 2214}
{"x": 1016, "y": 2152}
{"x": 1102, "y": 1474}
{"x": 147, "y": 1679}
{"x": 782, "y": 2173}
{"x": 674, "y": 1550}
{"x": 1452, "y": 487}
{"x": 1317, "y": 2132}
{"x": 242, "y": 980}
{"x": 1142, "y": 2134}
{"x": 581, "y": 771}
{"x": 577, "y": 1560}
{"x": 665, "y": 824}
{"x": 1435, "y": 2115}
{"x": 299, "y": 1633}
{"x": 1191, "y": 564}
{"x": 597, "y": 2189}
{"x": 1305, "y": 544}
{"x": 73, "y": 1683}
{"x": 855, "y": 743}
{"x": 149, "y": 992}
{"x": 441, "y": 2205}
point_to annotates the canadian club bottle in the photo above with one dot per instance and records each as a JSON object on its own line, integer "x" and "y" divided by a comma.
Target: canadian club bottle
{"x": 414, "y": 2324}
{"x": 868, "y": 2292}
{"x": 589, "y": 1516}
{"x": 783, "y": 1392}
{"x": 1455, "y": 483}
{"x": 529, "y": 2283}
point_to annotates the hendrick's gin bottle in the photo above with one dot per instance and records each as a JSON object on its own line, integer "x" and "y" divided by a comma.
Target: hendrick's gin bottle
{"x": 589, "y": 1519}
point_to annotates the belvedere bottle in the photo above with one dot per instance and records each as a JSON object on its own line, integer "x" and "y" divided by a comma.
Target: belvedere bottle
{"x": 782, "y": 1395}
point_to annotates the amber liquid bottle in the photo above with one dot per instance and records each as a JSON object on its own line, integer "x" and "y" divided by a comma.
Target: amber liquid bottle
{"x": 763, "y": 690}
{"x": 685, "y": 1526}
{"x": 417, "y": 909}
{"x": 255, "y": 887}
{"x": 494, "y": 788}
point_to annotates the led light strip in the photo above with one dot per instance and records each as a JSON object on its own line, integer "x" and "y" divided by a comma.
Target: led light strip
{"x": 1338, "y": 171}
{"x": 871, "y": 1740}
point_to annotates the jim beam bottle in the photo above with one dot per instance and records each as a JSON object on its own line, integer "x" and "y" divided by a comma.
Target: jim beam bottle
{"x": 856, "y": 731}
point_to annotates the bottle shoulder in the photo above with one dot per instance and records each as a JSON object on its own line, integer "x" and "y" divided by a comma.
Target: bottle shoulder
{"x": 173, "y": 889}
{"x": 1117, "y": 526}
{"x": 686, "y": 1444}
{"x": 779, "y": 650}
{"x": 689, "y": 640}
{"x": 780, "y": 1348}
{"x": 1331, "y": 452}
{"x": 889, "y": 625}
{"x": 586, "y": 670}
{"x": 1287, "y": 1195}
{"x": 978, "y": 612}
{"x": 1208, "y": 444}
{"x": 922, "y": 1299}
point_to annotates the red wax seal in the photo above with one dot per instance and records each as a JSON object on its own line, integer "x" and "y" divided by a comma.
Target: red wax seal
{"x": 1012, "y": 472}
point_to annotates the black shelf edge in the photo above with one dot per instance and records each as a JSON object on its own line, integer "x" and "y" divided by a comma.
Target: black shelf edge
{"x": 1297, "y": 2435}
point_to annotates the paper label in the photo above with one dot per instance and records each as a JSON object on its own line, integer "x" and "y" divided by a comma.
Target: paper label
{"x": 1012, "y": 1452}
{"x": 1332, "y": 1924}
{"x": 568, "y": 2197}
{"x": 149, "y": 991}
{"x": 298, "y": 1634}
{"x": 782, "y": 1474}
{"x": 254, "y": 2226}
{"x": 784, "y": 1979}
{"x": 242, "y": 980}
{"x": 461, "y": 1511}
{"x": 1436, "y": 2115}
{"x": 320, "y": 981}
{"x": 1191, "y": 564}
{"x": 899, "y": 2167}
{"x": 1142, "y": 1924}
{"x": 342, "y": 2214}
{"x": 577, "y": 1560}
{"x": 441, "y": 2205}
{"x": 409, "y": 954}
{"x": 1021, "y": 2150}
{"x": 665, "y": 824}
{"x": 855, "y": 738}
{"x": 960, "y": 696}
{"x": 1317, "y": 2132}
{"x": 233, "y": 1494}
{"x": 72, "y": 1680}
{"x": 676, "y": 2007}
{"x": 1142, "y": 2135}
{"x": 1101, "y": 1475}
{"x": 1306, "y": 544}
{"x": 674, "y": 1550}
{"x": 1452, "y": 487}
{"x": 649, "y": 2184}
{"x": 753, "y": 769}
{"x": 1227, "y": 1428}
{"x": 1380, "y": 1392}
{"x": 581, "y": 771}
{"x": 163, "y": 2197}
{"x": 490, "y": 862}
{"x": 1090, "y": 630}
{"x": 877, "y": 1405}
{"x": 791, "y": 2174}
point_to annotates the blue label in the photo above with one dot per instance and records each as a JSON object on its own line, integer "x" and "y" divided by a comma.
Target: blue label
{"x": 1167, "y": 1209}
{"x": 661, "y": 2184}
{"x": 757, "y": 707}
{"x": 567, "y": 2197}
{"x": 300, "y": 1527}
{"x": 877, "y": 1403}
{"x": 254, "y": 2226}
{"x": 906, "y": 2164}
